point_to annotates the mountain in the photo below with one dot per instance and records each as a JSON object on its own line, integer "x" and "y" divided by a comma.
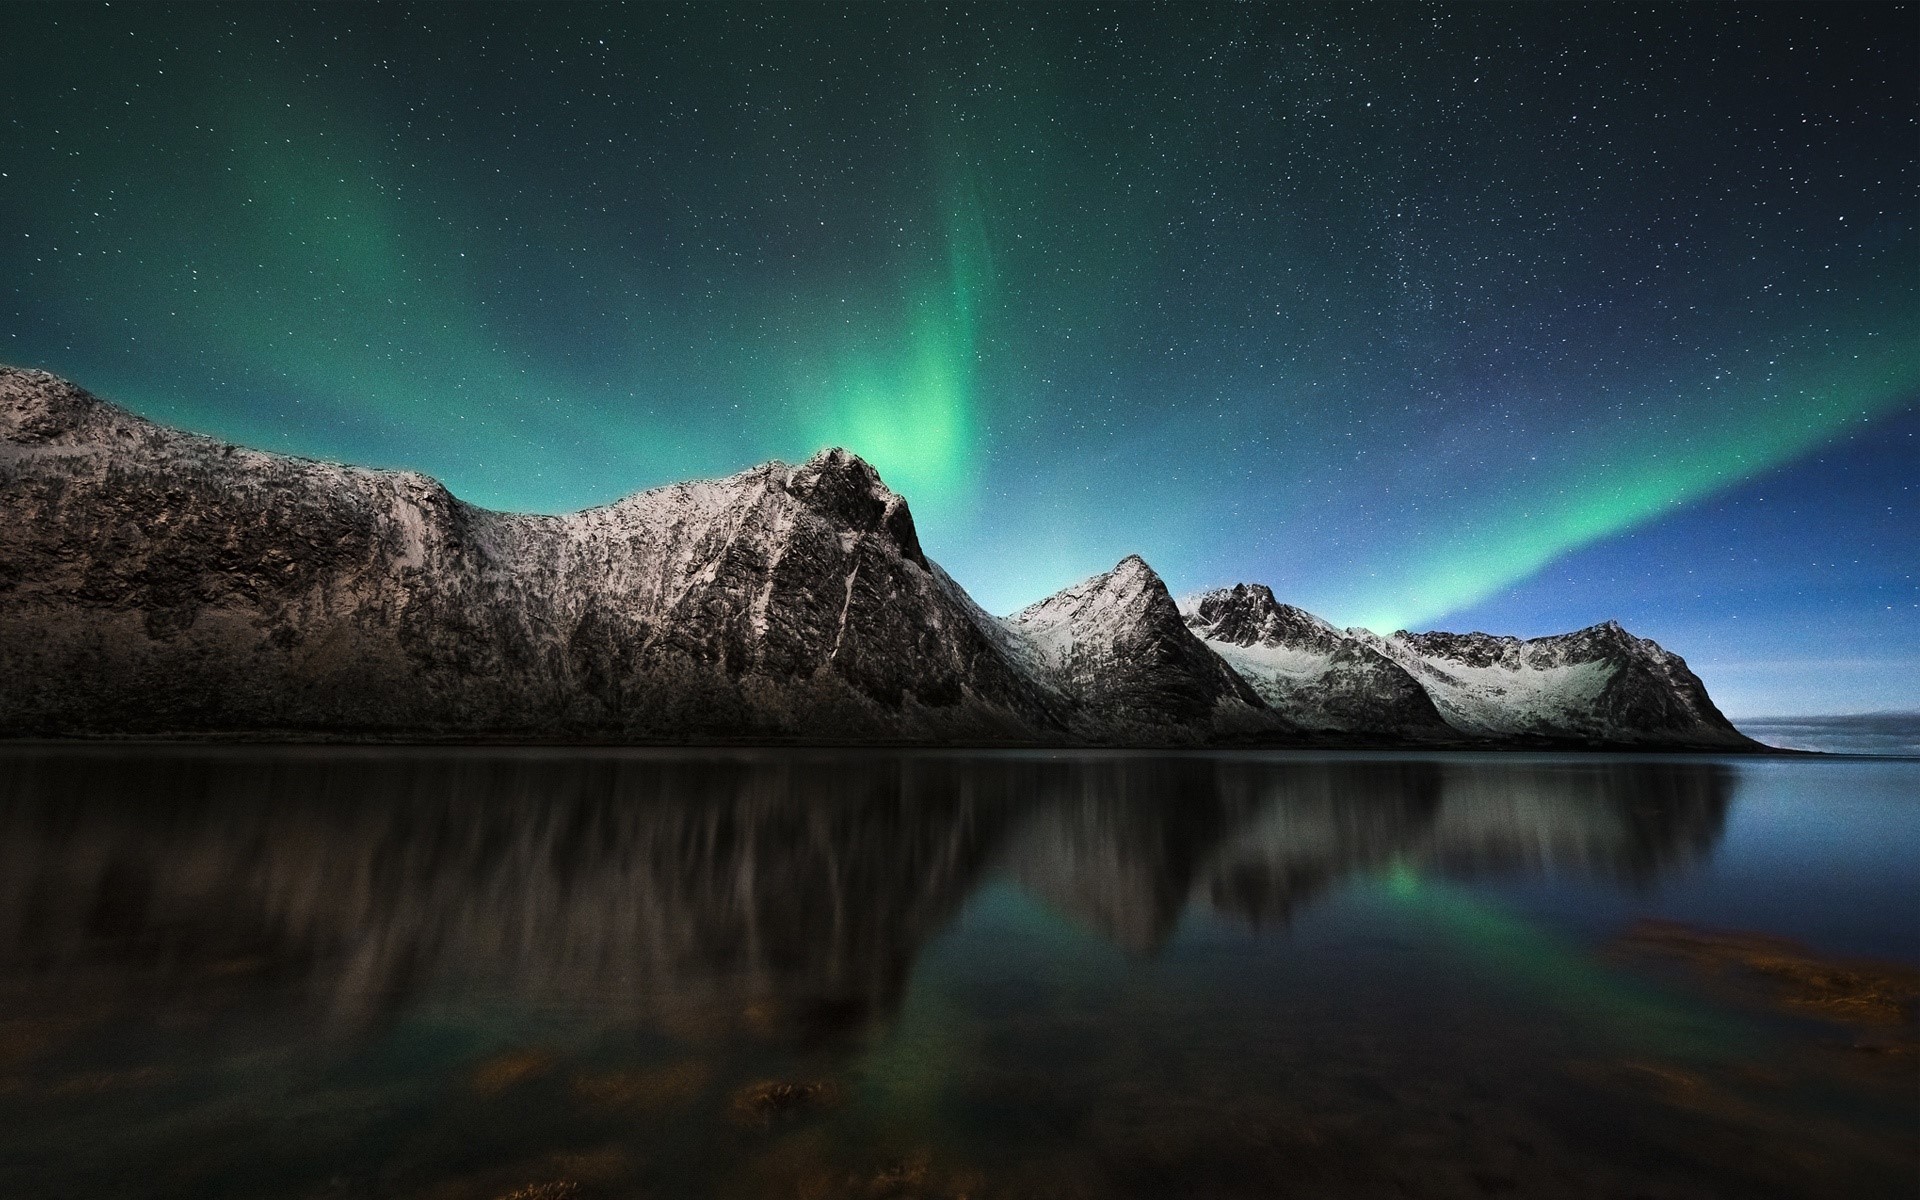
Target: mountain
{"x": 1597, "y": 686}
{"x": 1600, "y": 685}
{"x": 156, "y": 582}
{"x": 1116, "y": 646}
{"x": 1309, "y": 672}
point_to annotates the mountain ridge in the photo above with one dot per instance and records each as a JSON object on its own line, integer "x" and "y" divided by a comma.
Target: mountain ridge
{"x": 1320, "y": 676}
{"x": 159, "y": 582}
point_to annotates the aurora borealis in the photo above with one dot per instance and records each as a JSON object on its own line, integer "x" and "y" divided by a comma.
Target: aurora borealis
{"x": 1514, "y": 318}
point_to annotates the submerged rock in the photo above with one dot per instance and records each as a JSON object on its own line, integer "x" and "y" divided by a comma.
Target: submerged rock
{"x": 770, "y": 1098}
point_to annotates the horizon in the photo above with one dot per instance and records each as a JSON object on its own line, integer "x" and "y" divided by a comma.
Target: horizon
{"x": 1500, "y": 320}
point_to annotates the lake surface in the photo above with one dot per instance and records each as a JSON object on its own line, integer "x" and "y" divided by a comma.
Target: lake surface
{"x": 469, "y": 975}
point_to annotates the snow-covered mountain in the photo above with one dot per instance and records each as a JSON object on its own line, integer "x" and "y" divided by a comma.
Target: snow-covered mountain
{"x": 1306, "y": 670}
{"x": 154, "y": 581}
{"x": 1115, "y": 645}
{"x": 1597, "y": 685}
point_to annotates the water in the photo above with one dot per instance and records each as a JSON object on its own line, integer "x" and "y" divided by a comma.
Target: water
{"x": 466, "y": 974}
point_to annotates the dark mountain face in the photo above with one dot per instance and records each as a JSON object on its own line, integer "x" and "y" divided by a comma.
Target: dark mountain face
{"x": 1117, "y": 647}
{"x": 1653, "y": 691}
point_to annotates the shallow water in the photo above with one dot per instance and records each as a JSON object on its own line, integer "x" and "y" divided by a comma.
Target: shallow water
{"x": 464, "y": 974}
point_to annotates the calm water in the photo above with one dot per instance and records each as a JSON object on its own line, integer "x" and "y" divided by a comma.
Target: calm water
{"x": 459, "y": 974}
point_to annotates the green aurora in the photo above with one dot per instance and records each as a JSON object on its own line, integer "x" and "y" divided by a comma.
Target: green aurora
{"x": 1647, "y": 477}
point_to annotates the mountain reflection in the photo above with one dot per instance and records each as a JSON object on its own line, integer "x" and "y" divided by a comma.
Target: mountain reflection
{"x": 790, "y": 890}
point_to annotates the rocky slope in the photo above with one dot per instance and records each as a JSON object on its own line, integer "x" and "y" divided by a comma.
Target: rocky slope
{"x": 158, "y": 582}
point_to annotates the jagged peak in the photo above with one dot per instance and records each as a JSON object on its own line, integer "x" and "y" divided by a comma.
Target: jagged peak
{"x": 1608, "y": 633}
{"x": 839, "y": 471}
{"x": 1609, "y": 627}
{"x": 846, "y": 489}
{"x": 1255, "y": 599}
{"x": 1603, "y": 640}
{"x": 39, "y": 407}
{"x": 1132, "y": 578}
{"x": 1444, "y": 635}
{"x": 1247, "y": 614}
{"x": 835, "y": 484}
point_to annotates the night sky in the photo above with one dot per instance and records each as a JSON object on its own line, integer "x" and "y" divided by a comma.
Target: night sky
{"x": 1513, "y": 318}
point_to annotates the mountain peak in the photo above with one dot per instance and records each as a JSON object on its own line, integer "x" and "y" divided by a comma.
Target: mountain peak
{"x": 1308, "y": 671}
{"x": 1601, "y": 685}
{"x": 1134, "y": 584}
{"x": 1131, "y": 591}
{"x": 840, "y": 470}
{"x": 1117, "y": 645}
{"x": 1247, "y": 614}
{"x": 1133, "y": 571}
{"x": 1606, "y": 639}
{"x": 839, "y": 458}
{"x": 845, "y": 488}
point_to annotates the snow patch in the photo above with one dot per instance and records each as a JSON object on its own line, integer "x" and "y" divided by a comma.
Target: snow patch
{"x": 1291, "y": 662}
{"x": 1496, "y": 701}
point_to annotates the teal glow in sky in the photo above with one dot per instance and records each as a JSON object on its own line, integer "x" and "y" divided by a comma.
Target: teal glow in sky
{"x": 1407, "y": 312}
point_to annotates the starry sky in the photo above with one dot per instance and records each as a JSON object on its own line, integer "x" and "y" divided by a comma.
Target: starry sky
{"x": 1513, "y": 318}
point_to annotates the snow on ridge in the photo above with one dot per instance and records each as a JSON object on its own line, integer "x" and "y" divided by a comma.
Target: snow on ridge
{"x": 1095, "y": 610}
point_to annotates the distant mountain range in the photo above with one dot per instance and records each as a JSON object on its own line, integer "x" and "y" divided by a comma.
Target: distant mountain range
{"x": 1879, "y": 734}
{"x": 156, "y": 582}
